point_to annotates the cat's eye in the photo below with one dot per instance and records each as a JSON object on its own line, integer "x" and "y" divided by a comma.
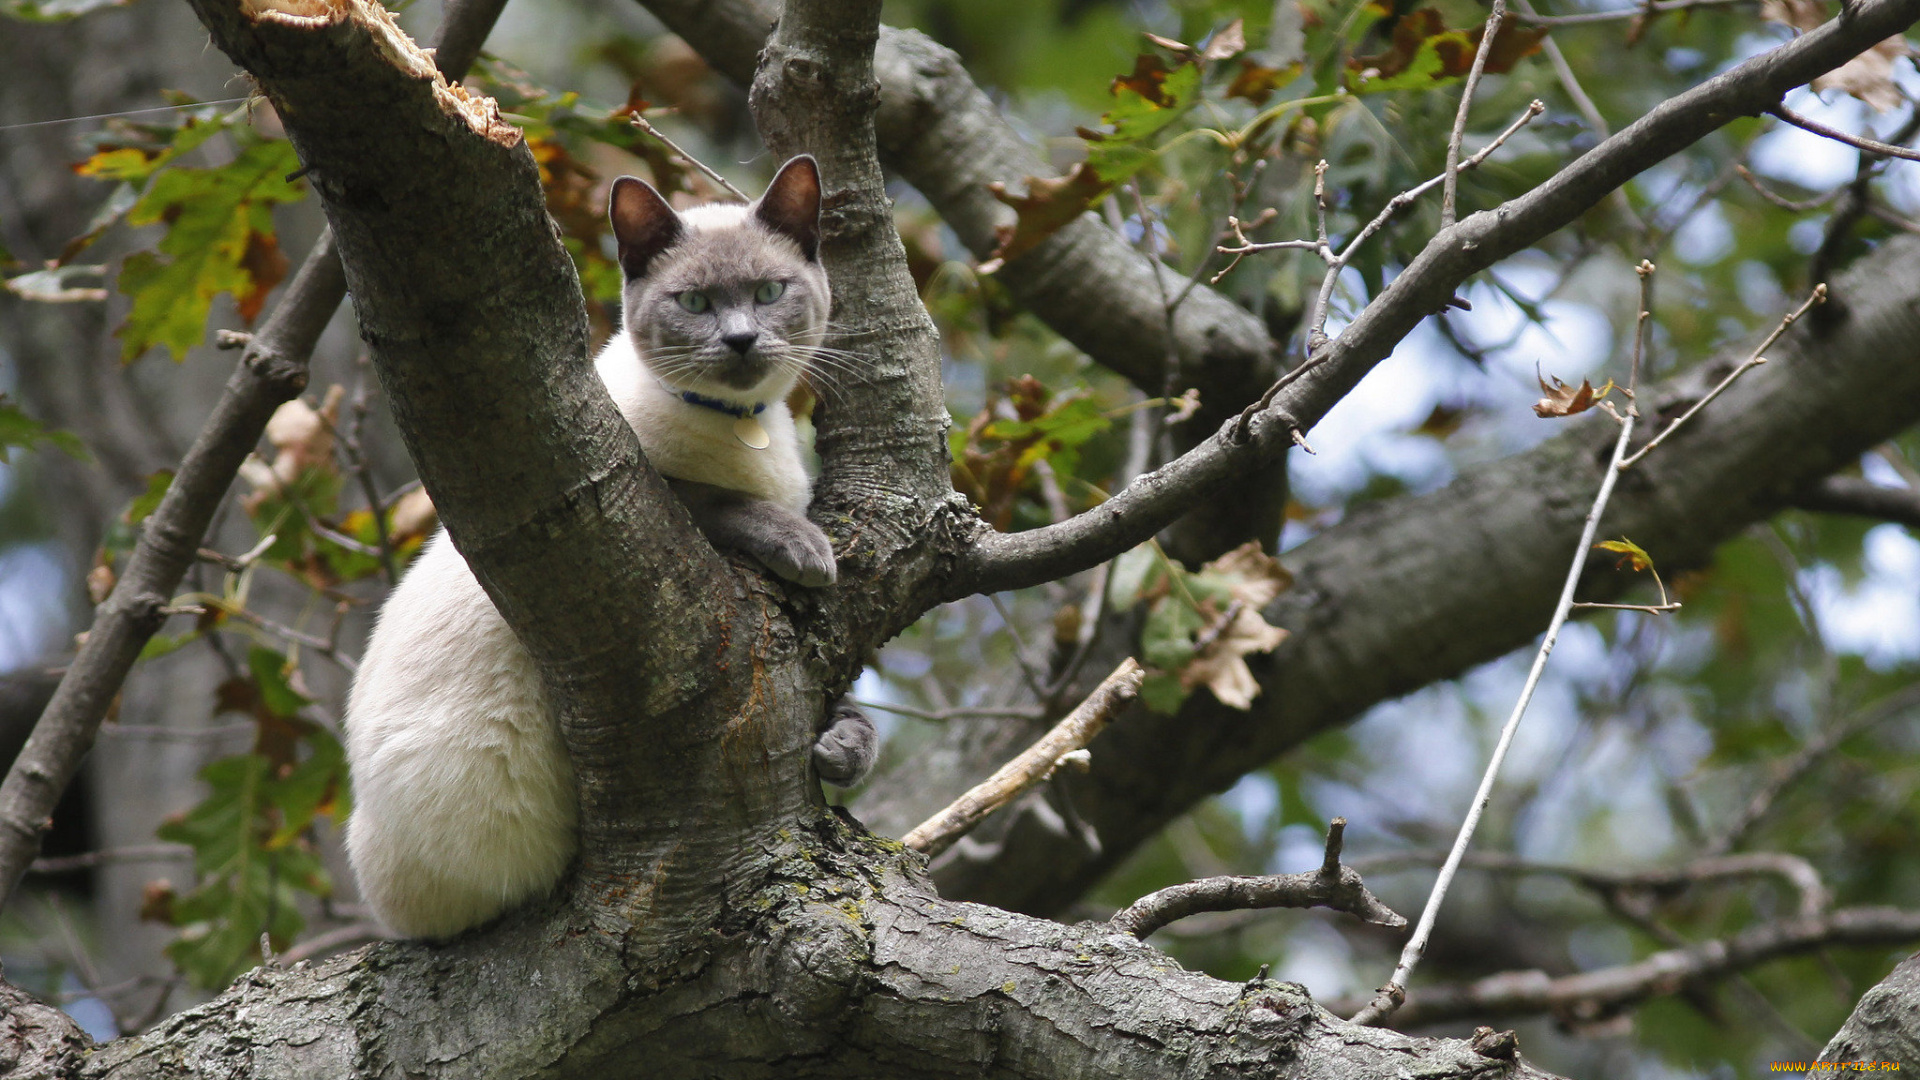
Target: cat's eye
{"x": 695, "y": 302}
{"x": 769, "y": 291}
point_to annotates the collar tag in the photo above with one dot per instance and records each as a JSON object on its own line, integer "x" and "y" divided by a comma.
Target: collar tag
{"x": 749, "y": 431}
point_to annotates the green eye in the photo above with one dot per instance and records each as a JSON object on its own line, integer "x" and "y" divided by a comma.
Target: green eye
{"x": 769, "y": 291}
{"x": 695, "y": 302}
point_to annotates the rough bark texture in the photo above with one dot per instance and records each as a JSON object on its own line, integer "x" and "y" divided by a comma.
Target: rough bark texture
{"x": 1885, "y": 1026}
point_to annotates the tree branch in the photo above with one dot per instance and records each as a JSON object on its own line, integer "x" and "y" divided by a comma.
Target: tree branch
{"x": 1860, "y": 498}
{"x": 1033, "y": 767}
{"x": 1594, "y": 995}
{"x": 839, "y": 963}
{"x": 1332, "y": 886}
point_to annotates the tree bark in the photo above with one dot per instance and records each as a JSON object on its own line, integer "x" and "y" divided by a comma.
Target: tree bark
{"x": 1885, "y": 1026}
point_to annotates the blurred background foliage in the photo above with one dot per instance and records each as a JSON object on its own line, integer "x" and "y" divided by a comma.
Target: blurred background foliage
{"x": 211, "y": 811}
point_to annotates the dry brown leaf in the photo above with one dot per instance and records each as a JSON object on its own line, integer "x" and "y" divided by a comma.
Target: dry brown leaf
{"x": 412, "y": 515}
{"x": 1228, "y": 42}
{"x": 1799, "y": 14}
{"x": 302, "y": 437}
{"x": 1256, "y": 84}
{"x": 1564, "y": 400}
{"x": 1048, "y": 205}
{"x": 1149, "y": 73}
{"x": 1258, "y": 576}
{"x": 1869, "y": 76}
{"x": 266, "y": 265}
{"x": 1222, "y": 666}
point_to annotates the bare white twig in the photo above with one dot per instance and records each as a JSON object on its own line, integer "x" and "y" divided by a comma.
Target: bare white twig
{"x": 1032, "y": 767}
{"x": 1495, "y": 18}
{"x": 1639, "y": 11}
{"x": 1754, "y": 360}
{"x": 1394, "y": 993}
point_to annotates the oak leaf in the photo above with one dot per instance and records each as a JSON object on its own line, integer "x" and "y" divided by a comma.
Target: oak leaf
{"x": 1564, "y": 400}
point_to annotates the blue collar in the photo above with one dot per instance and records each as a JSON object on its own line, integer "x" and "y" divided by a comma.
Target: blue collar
{"x": 738, "y": 412}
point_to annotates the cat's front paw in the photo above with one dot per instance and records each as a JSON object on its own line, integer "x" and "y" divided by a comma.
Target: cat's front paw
{"x": 804, "y": 556}
{"x": 844, "y": 752}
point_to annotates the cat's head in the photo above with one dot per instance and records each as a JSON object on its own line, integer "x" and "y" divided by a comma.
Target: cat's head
{"x": 724, "y": 299}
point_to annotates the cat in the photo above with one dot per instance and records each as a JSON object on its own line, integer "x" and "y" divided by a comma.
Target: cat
{"x": 465, "y": 804}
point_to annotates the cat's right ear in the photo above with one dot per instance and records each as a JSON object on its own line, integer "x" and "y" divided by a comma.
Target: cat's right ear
{"x": 643, "y": 224}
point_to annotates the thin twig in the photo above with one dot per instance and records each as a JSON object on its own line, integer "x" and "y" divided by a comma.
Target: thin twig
{"x": 1393, "y": 994}
{"x": 1754, "y": 360}
{"x": 1610, "y": 990}
{"x": 941, "y": 716}
{"x": 1798, "y": 206}
{"x": 1331, "y": 886}
{"x": 1786, "y": 773}
{"x": 641, "y": 123}
{"x": 1032, "y": 767}
{"x": 1858, "y": 142}
{"x": 340, "y": 937}
{"x": 1034, "y": 680}
{"x": 1639, "y": 11}
{"x": 362, "y": 467}
{"x": 1496, "y": 17}
{"x": 1798, "y": 873}
{"x": 61, "y": 864}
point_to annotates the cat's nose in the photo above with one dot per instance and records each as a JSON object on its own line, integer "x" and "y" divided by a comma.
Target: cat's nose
{"x": 740, "y": 342}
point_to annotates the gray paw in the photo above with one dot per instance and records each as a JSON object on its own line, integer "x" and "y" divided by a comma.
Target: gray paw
{"x": 845, "y": 751}
{"x": 803, "y": 556}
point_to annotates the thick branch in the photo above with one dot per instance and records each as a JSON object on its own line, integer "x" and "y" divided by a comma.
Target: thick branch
{"x": 838, "y": 962}
{"x": 1861, "y": 498}
{"x": 1013, "y": 561}
{"x": 272, "y": 370}
{"x": 1597, "y": 994}
{"x": 473, "y": 313}
{"x": 883, "y": 422}
{"x": 1885, "y": 1025}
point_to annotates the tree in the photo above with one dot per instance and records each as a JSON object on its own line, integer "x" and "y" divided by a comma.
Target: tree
{"x": 721, "y": 919}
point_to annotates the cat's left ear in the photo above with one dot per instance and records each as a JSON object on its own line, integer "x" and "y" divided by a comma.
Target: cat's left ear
{"x": 791, "y": 206}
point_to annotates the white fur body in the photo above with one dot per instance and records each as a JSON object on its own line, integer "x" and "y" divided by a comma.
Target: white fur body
{"x": 464, "y": 799}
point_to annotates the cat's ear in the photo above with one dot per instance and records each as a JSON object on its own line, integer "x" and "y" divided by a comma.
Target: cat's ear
{"x": 791, "y": 206}
{"x": 643, "y": 223}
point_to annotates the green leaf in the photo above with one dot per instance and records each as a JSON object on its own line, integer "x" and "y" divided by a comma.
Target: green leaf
{"x": 1162, "y": 692}
{"x": 145, "y": 503}
{"x": 316, "y": 786}
{"x": 252, "y": 863}
{"x": 270, "y": 668}
{"x": 17, "y": 429}
{"x": 1136, "y": 118}
{"x": 213, "y": 216}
